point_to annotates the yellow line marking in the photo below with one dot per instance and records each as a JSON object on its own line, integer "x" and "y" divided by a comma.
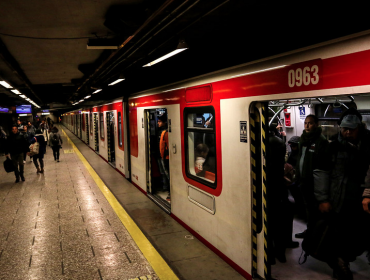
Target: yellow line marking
{"x": 160, "y": 267}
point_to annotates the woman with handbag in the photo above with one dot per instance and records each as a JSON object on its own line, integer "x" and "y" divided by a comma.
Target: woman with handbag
{"x": 39, "y": 137}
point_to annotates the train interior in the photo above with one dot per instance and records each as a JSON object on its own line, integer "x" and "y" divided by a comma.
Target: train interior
{"x": 110, "y": 138}
{"x": 288, "y": 116}
{"x": 158, "y": 170}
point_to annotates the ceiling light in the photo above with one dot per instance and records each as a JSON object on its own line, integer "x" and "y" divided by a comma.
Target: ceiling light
{"x": 86, "y": 97}
{"x": 23, "y": 96}
{"x": 81, "y": 100}
{"x": 180, "y": 47}
{"x": 5, "y": 84}
{"x": 97, "y": 91}
{"x": 28, "y": 99}
{"x": 120, "y": 79}
{"x": 15, "y": 91}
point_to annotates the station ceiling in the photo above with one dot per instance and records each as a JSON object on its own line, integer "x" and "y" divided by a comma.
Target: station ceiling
{"x": 43, "y": 43}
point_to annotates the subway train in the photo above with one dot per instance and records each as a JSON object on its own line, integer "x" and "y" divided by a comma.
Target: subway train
{"x": 218, "y": 123}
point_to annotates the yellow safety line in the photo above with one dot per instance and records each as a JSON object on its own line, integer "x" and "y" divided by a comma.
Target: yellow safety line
{"x": 159, "y": 265}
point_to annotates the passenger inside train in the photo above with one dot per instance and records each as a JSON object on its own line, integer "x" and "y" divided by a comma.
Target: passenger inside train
{"x": 328, "y": 152}
{"x": 201, "y": 146}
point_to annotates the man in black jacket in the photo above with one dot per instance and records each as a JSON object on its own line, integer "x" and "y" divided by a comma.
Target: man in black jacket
{"x": 15, "y": 148}
{"x": 344, "y": 192}
{"x": 313, "y": 148}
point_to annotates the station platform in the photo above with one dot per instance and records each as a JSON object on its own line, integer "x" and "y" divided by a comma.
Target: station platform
{"x": 81, "y": 219}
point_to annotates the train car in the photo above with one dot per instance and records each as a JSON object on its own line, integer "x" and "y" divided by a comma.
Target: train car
{"x": 217, "y": 126}
{"x": 102, "y": 129}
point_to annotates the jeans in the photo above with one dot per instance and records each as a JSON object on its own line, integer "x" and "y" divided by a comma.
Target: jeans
{"x": 41, "y": 160}
{"x": 56, "y": 150}
{"x": 17, "y": 159}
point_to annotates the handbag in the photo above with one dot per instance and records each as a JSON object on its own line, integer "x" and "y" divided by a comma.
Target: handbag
{"x": 34, "y": 148}
{"x": 8, "y": 165}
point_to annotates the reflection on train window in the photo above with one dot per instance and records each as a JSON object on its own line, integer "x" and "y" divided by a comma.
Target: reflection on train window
{"x": 119, "y": 129}
{"x": 200, "y": 144}
{"x": 101, "y": 125}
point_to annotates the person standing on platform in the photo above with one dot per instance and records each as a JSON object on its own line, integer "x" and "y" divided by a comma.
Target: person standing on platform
{"x": 39, "y": 137}
{"x": 15, "y": 147}
{"x": 19, "y": 125}
{"x": 313, "y": 148}
{"x": 55, "y": 142}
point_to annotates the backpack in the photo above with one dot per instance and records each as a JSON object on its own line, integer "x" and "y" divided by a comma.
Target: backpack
{"x": 34, "y": 148}
{"x": 55, "y": 140}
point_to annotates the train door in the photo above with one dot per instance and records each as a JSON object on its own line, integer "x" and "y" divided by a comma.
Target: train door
{"x": 80, "y": 126}
{"x": 258, "y": 130}
{"x": 96, "y": 133}
{"x": 158, "y": 179}
{"x": 110, "y": 138}
{"x": 87, "y": 128}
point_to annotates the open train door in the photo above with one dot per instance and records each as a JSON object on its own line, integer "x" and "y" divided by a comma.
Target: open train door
{"x": 259, "y": 140}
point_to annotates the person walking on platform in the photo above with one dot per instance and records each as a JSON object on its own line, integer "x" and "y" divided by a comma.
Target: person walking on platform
{"x": 56, "y": 143}
{"x": 312, "y": 153}
{"x": 343, "y": 193}
{"x": 39, "y": 137}
{"x": 15, "y": 147}
{"x": 19, "y": 125}
{"x": 28, "y": 136}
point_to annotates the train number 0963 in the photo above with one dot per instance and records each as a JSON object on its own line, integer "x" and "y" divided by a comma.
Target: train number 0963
{"x": 305, "y": 76}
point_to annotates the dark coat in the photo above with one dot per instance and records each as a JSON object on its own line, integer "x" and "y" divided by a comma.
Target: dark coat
{"x": 16, "y": 144}
{"x": 349, "y": 174}
{"x": 315, "y": 156}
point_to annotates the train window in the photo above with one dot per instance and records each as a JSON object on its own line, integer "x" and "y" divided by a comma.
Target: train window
{"x": 101, "y": 125}
{"x": 200, "y": 144}
{"x": 120, "y": 129}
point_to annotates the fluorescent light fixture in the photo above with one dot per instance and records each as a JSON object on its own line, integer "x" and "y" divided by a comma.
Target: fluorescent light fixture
{"x": 15, "y": 91}
{"x": 28, "y": 99}
{"x": 120, "y": 79}
{"x": 86, "y": 97}
{"x": 23, "y": 96}
{"x": 181, "y": 47}
{"x": 5, "y": 84}
{"x": 97, "y": 91}
{"x": 81, "y": 100}
{"x": 23, "y": 115}
{"x": 45, "y": 113}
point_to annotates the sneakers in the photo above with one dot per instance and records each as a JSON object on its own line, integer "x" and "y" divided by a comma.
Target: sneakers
{"x": 341, "y": 270}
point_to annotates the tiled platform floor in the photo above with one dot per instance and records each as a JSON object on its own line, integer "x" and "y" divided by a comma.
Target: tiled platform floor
{"x": 58, "y": 225}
